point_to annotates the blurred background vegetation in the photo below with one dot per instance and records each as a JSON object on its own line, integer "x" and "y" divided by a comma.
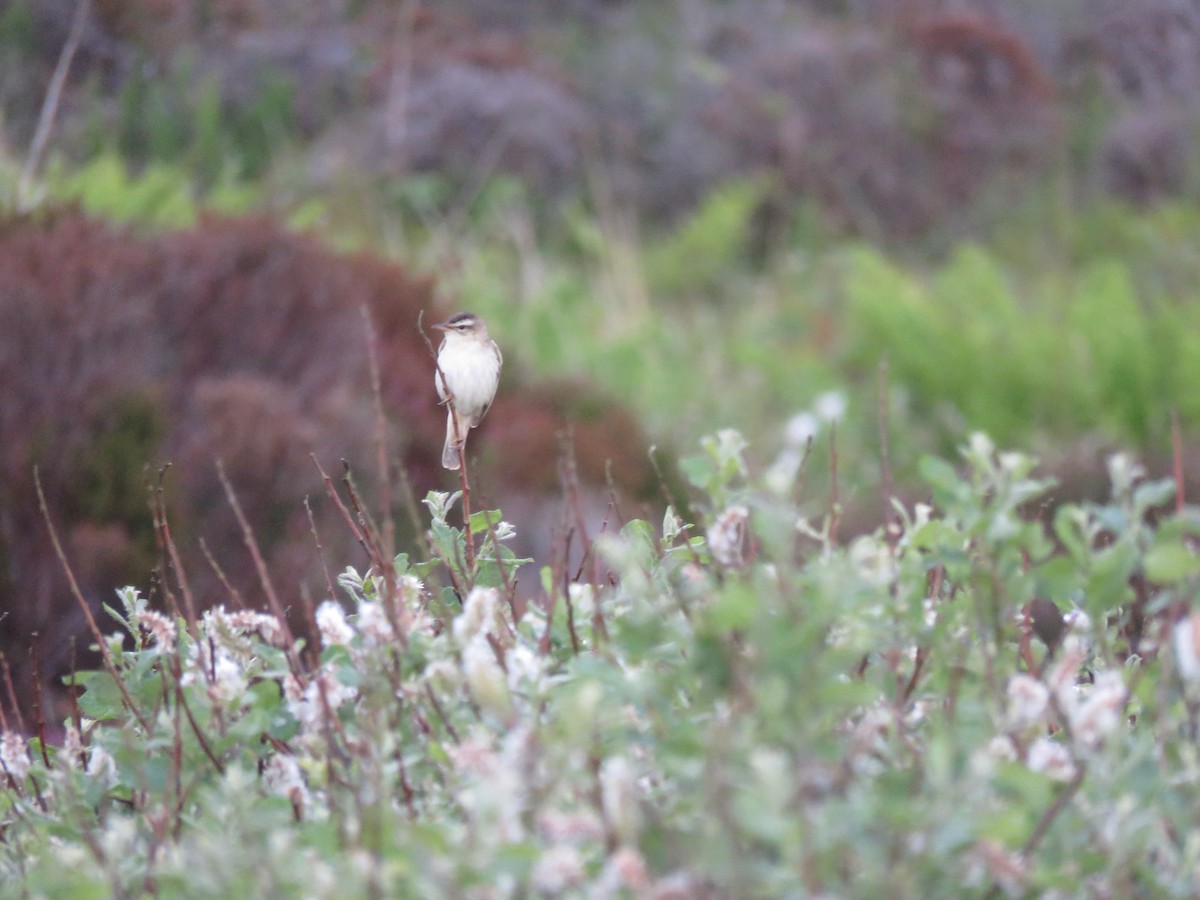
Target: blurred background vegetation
{"x": 910, "y": 215}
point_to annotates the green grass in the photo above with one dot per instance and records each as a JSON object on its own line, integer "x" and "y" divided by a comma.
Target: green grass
{"x": 1083, "y": 328}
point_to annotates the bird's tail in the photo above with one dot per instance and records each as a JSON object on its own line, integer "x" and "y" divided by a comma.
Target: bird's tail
{"x": 451, "y": 448}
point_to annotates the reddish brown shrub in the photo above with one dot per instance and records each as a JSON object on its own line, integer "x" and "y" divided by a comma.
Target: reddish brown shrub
{"x": 996, "y": 108}
{"x": 235, "y": 341}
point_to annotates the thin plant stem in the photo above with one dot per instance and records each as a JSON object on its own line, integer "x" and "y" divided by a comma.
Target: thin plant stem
{"x": 106, "y": 656}
{"x": 461, "y": 448}
{"x": 256, "y": 556}
{"x": 41, "y": 135}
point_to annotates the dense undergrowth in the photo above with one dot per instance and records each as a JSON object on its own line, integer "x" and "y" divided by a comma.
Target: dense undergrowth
{"x": 967, "y": 699}
{"x": 1054, "y": 328}
{"x": 993, "y": 693}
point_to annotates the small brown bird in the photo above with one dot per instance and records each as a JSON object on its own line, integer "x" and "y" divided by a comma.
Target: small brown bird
{"x": 469, "y": 361}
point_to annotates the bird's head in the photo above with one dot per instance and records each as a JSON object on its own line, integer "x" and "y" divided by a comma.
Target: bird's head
{"x": 463, "y": 323}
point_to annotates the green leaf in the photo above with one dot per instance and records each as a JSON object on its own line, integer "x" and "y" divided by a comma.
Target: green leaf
{"x": 447, "y": 541}
{"x": 735, "y": 607}
{"x": 1150, "y": 494}
{"x": 1171, "y": 562}
{"x": 484, "y": 520}
{"x": 699, "y": 471}
{"x": 1108, "y": 583}
{"x": 1058, "y": 579}
{"x": 937, "y": 534}
{"x": 1069, "y": 527}
{"x": 101, "y": 698}
{"x": 939, "y": 474}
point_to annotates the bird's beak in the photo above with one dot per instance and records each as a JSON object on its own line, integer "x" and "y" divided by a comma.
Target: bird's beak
{"x": 442, "y": 326}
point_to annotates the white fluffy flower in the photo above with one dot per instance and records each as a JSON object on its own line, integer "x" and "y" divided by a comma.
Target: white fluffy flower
{"x": 1123, "y": 471}
{"x": 72, "y": 748}
{"x": 557, "y": 870}
{"x": 580, "y": 824}
{"x": 1028, "y": 701}
{"x": 626, "y": 871}
{"x": 874, "y": 560}
{"x": 524, "y": 668}
{"x": 998, "y": 750}
{"x": 831, "y": 406}
{"x": 485, "y": 678}
{"x": 492, "y": 789}
{"x": 410, "y": 590}
{"x": 373, "y": 624}
{"x": 331, "y": 621}
{"x": 481, "y": 615}
{"x": 281, "y": 777}
{"x": 1186, "y": 639}
{"x": 1097, "y": 713}
{"x": 161, "y": 628}
{"x": 727, "y": 536}
{"x": 309, "y": 704}
{"x": 1051, "y": 758}
{"x": 583, "y": 599}
{"x": 15, "y": 755}
{"x": 102, "y": 767}
{"x": 618, "y": 796}
{"x": 800, "y": 429}
{"x": 229, "y": 681}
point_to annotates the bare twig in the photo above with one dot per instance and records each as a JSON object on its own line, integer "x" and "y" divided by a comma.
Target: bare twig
{"x": 337, "y": 500}
{"x": 569, "y": 473}
{"x": 911, "y": 685}
{"x": 106, "y": 656}
{"x": 613, "y": 500}
{"x": 41, "y": 135}
{"x": 466, "y": 503}
{"x": 381, "y": 449}
{"x": 312, "y": 526}
{"x": 260, "y": 565}
{"x": 172, "y": 552}
{"x": 38, "y": 716}
{"x": 235, "y": 595}
{"x": 12, "y": 697}
{"x": 566, "y": 589}
{"x": 382, "y": 559}
{"x": 181, "y": 699}
{"x": 1052, "y": 812}
{"x": 437, "y": 707}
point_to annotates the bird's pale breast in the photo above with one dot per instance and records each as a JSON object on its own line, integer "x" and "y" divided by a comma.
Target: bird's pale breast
{"x": 471, "y": 371}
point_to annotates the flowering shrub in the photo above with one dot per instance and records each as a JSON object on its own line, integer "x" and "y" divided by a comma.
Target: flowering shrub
{"x": 966, "y": 699}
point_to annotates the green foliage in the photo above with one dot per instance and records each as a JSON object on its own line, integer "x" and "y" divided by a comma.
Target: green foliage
{"x": 708, "y": 247}
{"x": 179, "y": 115}
{"x": 18, "y": 31}
{"x": 981, "y": 345}
{"x": 721, "y": 713}
{"x": 111, "y": 471}
{"x": 161, "y": 196}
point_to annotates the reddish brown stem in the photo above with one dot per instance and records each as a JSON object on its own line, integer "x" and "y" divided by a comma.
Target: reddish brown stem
{"x": 105, "y": 655}
{"x": 256, "y": 556}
